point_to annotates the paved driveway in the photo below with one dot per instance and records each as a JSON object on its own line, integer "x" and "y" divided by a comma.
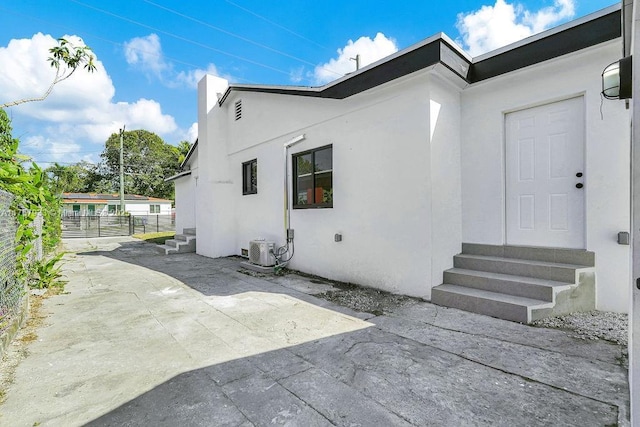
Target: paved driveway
{"x": 180, "y": 340}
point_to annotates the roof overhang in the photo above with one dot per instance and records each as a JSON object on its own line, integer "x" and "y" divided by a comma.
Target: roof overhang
{"x": 573, "y": 36}
{"x": 596, "y": 28}
{"x": 438, "y": 49}
{"x": 189, "y": 153}
{"x": 178, "y": 175}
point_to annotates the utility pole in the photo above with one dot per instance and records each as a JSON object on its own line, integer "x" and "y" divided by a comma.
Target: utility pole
{"x": 121, "y": 170}
{"x": 357, "y": 59}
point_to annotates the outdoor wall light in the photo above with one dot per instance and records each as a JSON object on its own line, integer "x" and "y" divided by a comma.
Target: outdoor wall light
{"x": 616, "y": 79}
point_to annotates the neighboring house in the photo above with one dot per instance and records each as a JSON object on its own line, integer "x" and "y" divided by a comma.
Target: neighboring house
{"x": 395, "y": 169}
{"x": 89, "y": 204}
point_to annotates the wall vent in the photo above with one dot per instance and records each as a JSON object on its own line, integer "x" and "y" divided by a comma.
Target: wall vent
{"x": 238, "y": 109}
{"x": 261, "y": 253}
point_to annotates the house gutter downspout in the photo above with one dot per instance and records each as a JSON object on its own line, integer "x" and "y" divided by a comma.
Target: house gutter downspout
{"x": 287, "y": 212}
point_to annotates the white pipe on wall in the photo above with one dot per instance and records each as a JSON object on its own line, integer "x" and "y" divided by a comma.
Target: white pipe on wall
{"x": 287, "y": 213}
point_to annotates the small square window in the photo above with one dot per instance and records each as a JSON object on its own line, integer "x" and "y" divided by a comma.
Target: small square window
{"x": 154, "y": 209}
{"x": 250, "y": 177}
{"x": 313, "y": 184}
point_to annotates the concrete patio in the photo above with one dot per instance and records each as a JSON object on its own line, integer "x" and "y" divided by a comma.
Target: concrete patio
{"x": 145, "y": 339}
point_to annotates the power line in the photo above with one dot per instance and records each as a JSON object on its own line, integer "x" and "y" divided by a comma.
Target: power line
{"x": 282, "y": 27}
{"x": 181, "y": 38}
{"x": 115, "y": 43}
{"x": 229, "y": 33}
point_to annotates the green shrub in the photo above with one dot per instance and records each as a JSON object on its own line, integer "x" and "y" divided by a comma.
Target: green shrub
{"x": 32, "y": 196}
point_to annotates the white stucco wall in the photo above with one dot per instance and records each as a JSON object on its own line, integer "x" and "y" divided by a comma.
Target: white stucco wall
{"x": 418, "y": 169}
{"x": 214, "y": 197}
{"x": 185, "y": 203}
{"x": 446, "y": 197}
{"x": 606, "y": 155}
{"x": 384, "y": 164}
{"x": 144, "y": 208}
{"x": 185, "y": 190}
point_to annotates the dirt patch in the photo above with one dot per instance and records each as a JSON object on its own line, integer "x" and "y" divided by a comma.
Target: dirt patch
{"x": 363, "y": 299}
{"x": 18, "y": 349}
{"x": 355, "y": 297}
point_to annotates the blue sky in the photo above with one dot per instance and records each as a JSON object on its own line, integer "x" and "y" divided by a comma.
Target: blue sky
{"x": 151, "y": 53}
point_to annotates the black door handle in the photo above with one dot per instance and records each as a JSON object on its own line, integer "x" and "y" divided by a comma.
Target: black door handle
{"x": 579, "y": 174}
{"x": 579, "y": 185}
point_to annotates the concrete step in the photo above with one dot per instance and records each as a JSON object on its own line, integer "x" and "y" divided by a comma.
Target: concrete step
{"x": 508, "y": 307}
{"x": 556, "y": 255}
{"x": 528, "y": 287}
{"x": 172, "y": 242}
{"x": 165, "y": 250}
{"x": 173, "y": 246}
{"x": 184, "y": 237}
{"x": 559, "y": 272}
{"x": 190, "y": 231}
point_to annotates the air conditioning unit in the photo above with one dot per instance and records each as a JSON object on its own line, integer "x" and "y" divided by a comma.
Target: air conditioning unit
{"x": 261, "y": 253}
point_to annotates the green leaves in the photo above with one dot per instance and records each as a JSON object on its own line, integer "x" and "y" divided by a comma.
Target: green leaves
{"x": 71, "y": 57}
{"x": 32, "y": 197}
{"x": 47, "y": 273}
{"x": 147, "y": 161}
{"x": 65, "y": 59}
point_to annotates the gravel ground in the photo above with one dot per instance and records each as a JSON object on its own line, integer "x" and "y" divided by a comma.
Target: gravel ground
{"x": 366, "y": 299}
{"x": 592, "y": 325}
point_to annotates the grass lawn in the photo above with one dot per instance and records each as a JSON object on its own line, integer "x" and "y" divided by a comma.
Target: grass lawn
{"x": 157, "y": 238}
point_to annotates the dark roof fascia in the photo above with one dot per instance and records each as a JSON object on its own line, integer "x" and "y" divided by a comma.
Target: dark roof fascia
{"x": 414, "y": 60}
{"x": 178, "y": 175}
{"x": 189, "y": 153}
{"x": 402, "y": 64}
{"x": 590, "y": 33}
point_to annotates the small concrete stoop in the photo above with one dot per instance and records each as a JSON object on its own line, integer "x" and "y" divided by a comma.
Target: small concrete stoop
{"x": 518, "y": 283}
{"x": 181, "y": 243}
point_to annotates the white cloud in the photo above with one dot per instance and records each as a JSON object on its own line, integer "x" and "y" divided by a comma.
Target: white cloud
{"x": 369, "y": 50}
{"x": 491, "y": 27}
{"x": 80, "y": 109}
{"x": 192, "y": 77}
{"x": 192, "y": 133}
{"x": 145, "y": 54}
{"x": 296, "y": 75}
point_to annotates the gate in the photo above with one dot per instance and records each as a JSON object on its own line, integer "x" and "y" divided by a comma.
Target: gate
{"x": 116, "y": 225}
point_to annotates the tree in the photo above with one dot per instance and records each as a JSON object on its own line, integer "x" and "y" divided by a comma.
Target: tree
{"x": 66, "y": 59}
{"x": 147, "y": 161}
{"x": 183, "y": 148}
{"x": 82, "y": 177}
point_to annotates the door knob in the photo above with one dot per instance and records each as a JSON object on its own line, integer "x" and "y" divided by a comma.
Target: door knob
{"x": 579, "y": 185}
{"x": 579, "y": 174}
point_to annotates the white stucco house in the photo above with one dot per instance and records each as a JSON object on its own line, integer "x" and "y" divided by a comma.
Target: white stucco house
{"x": 100, "y": 204}
{"x": 497, "y": 184}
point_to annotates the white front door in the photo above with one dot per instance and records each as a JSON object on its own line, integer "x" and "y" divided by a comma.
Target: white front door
{"x": 545, "y": 175}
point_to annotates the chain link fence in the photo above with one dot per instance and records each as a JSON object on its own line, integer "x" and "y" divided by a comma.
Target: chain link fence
{"x": 13, "y": 299}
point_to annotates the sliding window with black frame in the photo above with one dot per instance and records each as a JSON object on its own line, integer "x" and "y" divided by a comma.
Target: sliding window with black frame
{"x": 250, "y": 177}
{"x": 313, "y": 183}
